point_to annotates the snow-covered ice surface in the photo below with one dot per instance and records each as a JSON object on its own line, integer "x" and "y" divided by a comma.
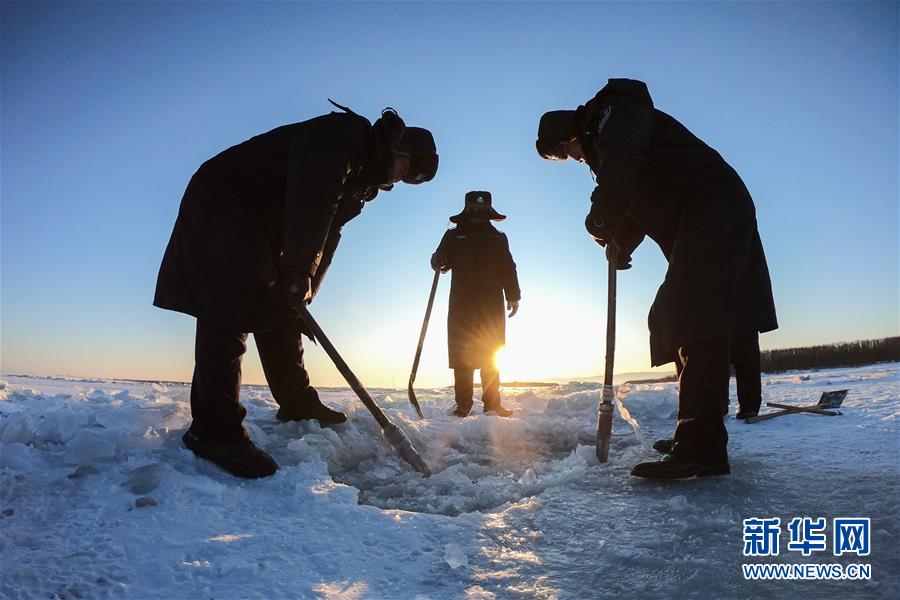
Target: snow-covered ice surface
{"x": 99, "y": 499}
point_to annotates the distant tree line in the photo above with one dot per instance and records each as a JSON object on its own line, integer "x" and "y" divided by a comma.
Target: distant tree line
{"x": 840, "y": 354}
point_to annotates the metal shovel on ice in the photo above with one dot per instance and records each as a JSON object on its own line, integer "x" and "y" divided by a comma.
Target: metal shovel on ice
{"x": 392, "y": 434}
{"x": 829, "y": 400}
{"x": 412, "y": 376}
{"x": 605, "y": 410}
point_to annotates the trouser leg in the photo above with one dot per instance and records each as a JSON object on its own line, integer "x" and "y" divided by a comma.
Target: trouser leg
{"x": 490, "y": 387}
{"x": 746, "y": 361}
{"x": 702, "y": 400}
{"x": 281, "y": 355}
{"x": 463, "y": 384}
{"x": 215, "y": 388}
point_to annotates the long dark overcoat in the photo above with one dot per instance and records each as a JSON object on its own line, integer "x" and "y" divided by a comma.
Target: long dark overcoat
{"x": 483, "y": 271}
{"x": 657, "y": 175}
{"x": 280, "y": 197}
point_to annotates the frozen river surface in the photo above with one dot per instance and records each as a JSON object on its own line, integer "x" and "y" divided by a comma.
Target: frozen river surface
{"x": 98, "y": 498}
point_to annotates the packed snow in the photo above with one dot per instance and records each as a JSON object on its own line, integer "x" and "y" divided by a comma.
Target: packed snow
{"x": 99, "y": 499}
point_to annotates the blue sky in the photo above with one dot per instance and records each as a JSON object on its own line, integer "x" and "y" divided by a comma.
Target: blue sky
{"x": 107, "y": 109}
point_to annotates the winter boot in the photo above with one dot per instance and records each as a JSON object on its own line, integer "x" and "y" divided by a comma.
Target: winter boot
{"x": 746, "y": 413}
{"x": 676, "y": 467}
{"x": 664, "y": 446}
{"x": 308, "y": 406}
{"x": 318, "y": 411}
{"x": 461, "y": 411}
{"x": 241, "y": 459}
{"x": 499, "y": 410}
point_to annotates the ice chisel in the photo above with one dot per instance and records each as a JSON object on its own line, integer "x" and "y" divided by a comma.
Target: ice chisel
{"x": 393, "y": 435}
{"x": 605, "y": 410}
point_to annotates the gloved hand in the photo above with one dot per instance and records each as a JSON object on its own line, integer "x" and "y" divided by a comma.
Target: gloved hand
{"x": 622, "y": 229}
{"x": 602, "y": 235}
{"x": 598, "y": 230}
{"x": 623, "y": 261}
{"x": 513, "y": 307}
{"x": 296, "y": 291}
{"x": 628, "y": 237}
{"x": 623, "y": 257}
{"x": 439, "y": 262}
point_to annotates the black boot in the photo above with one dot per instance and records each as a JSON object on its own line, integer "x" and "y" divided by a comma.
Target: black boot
{"x": 241, "y": 458}
{"x": 675, "y": 467}
{"x": 281, "y": 354}
{"x": 306, "y": 405}
{"x": 461, "y": 411}
{"x": 664, "y": 445}
{"x": 746, "y": 413}
{"x": 313, "y": 410}
{"x": 462, "y": 388}
{"x": 490, "y": 385}
{"x": 499, "y": 410}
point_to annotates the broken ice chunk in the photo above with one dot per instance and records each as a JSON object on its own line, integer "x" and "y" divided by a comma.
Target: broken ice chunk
{"x": 455, "y": 557}
{"x": 145, "y": 479}
{"x": 89, "y": 445}
{"x": 18, "y": 428}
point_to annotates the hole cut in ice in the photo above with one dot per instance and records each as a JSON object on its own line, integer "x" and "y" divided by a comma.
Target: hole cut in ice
{"x": 479, "y": 463}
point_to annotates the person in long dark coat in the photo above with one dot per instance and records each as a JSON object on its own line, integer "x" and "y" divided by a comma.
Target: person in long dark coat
{"x": 483, "y": 272}
{"x": 655, "y": 178}
{"x": 256, "y": 232}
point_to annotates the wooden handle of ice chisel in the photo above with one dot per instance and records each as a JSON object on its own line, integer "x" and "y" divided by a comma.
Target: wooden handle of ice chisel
{"x": 608, "y": 395}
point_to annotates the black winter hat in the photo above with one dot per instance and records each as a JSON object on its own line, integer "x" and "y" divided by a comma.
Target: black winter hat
{"x": 556, "y": 127}
{"x": 478, "y": 203}
{"x": 418, "y": 143}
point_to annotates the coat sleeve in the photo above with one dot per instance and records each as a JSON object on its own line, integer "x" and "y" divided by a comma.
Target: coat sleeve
{"x": 629, "y": 236}
{"x": 509, "y": 276}
{"x": 445, "y": 249}
{"x": 621, "y": 145}
{"x": 331, "y": 245}
{"x": 316, "y": 169}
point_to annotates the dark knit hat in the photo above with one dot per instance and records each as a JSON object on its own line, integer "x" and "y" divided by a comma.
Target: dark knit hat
{"x": 556, "y": 128}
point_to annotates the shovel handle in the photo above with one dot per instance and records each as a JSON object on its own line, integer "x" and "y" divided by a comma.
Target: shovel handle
{"x": 767, "y": 416}
{"x": 434, "y": 284}
{"x": 415, "y": 368}
{"x": 805, "y": 409}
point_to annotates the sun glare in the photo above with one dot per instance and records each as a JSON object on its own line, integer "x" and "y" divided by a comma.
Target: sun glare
{"x": 549, "y": 339}
{"x": 500, "y": 359}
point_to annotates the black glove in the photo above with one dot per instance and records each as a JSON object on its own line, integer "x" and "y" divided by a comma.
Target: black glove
{"x": 602, "y": 234}
{"x": 628, "y": 236}
{"x": 439, "y": 262}
{"x": 623, "y": 261}
{"x": 295, "y": 291}
{"x": 598, "y": 229}
{"x": 601, "y": 221}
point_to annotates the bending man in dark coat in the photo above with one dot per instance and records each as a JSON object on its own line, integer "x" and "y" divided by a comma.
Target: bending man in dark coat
{"x": 255, "y": 234}
{"x": 483, "y": 271}
{"x": 655, "y": 178}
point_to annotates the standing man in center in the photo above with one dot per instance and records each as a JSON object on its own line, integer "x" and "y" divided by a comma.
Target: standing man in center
{"x": 483, "y": 272}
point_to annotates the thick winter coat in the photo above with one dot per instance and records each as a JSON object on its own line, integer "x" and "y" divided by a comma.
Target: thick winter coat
{"x": 277, "y": 199}
{"x": 654, "y": 172}
{"x": 483, "y": 271}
